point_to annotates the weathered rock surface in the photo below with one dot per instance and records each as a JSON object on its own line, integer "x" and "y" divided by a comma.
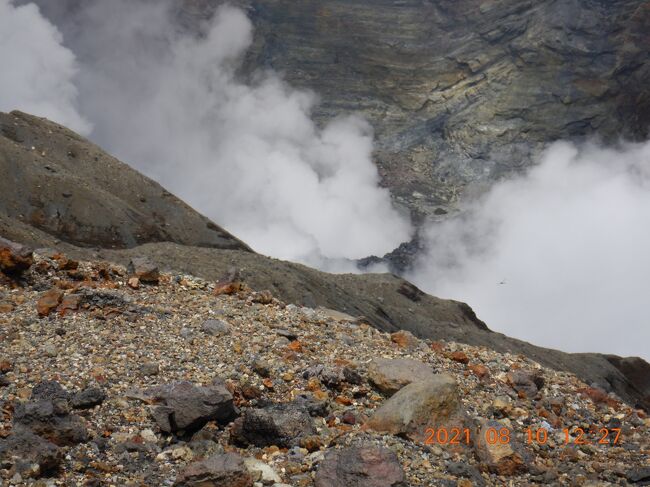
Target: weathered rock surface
{"x": 281, "y": 425}
{"x": 390, "y": 375}
{"x": 184, "y": 407}
{"x": 47, "y": 414}
{"x": 428, "y": 403}
{"x": 360, "y": 467}
{"x": 29, "y": 454}
{"x": 498, "y": 449}
{"x": 226, "y": 470}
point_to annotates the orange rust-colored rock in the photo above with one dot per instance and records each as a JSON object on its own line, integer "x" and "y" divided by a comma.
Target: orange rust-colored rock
{"x": 48, "y": 302}
{"x": 460, "y": 357}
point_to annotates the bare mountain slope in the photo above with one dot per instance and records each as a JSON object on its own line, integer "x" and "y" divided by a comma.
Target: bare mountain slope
{"x": 61, "y": 191}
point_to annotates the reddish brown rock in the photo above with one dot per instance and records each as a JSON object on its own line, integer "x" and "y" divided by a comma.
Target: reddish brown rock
{"x": 460, "y": 357}
{"x": 481, "y": 371}
{"x": 14, "y": 258}
{"x": 366, "y": 466}
{"x": 223, "y": 470}
{"x": 48, "y": 302}
{"x": 229, "y": 284}
{"x": 405, "y": 339}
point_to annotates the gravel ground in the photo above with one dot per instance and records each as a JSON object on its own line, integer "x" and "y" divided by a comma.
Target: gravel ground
{"x": 124, "y": 336}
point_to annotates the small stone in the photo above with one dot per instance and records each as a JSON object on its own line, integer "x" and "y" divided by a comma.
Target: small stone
{"x": 459, "y": 357}
{"x": 261, "y": 472}
{"x": 215, "y": 328}
{"x": 261, "y": 367}
{"x": 427, "y": 403}
{"x": 88, "y": 398}
{"x": 405, "y": 339}
{"x": 497, "y": 448}
{"x": 480, "y": 371}
{"x": 48, "y": 302}
{"x": 279, "y": 424}
{"x": 150, "y": 368}
{"x": 144, "y": 270}
{"x": 134, "y": 283}
{"x": 50, "y": 349}
{"x": 29, "y": 454}
{"x": 525, "y": 382}
{"x": 15, "y": 258}
{"x": 182, "y": 406}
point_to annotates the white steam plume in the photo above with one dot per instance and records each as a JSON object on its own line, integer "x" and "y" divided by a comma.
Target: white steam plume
{"x": 560, "y": 256}
{"x": 248, "y": 156}
{"x": 38, "y": 72}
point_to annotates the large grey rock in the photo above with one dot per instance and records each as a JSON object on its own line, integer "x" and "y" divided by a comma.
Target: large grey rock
{"x": 365, "y": 466}
{"x": 390, "y": 375}
{"x": 429, "y": 403}
{"x": 184, "y": 407}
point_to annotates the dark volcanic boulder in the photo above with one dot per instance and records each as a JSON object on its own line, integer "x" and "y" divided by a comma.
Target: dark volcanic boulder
{"x": 283, "y": 425}
{"x": 184, "y": 407}
{"x": 23, "y": 450}
{"x": 47, "y": 414}
{"x": 366, "y": 466}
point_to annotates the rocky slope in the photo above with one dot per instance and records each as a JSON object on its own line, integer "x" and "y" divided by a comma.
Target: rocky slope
{"x": 125, "y": 376}
{"x": 28, "y": 146}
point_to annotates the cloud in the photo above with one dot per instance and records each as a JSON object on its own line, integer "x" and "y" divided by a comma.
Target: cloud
{"x": 559, "y": 256}
{"x": 37, "y": 71}
{"x": 247, "y": 155}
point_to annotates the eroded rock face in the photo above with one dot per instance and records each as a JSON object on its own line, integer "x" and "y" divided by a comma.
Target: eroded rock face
{"x": 462, "y": 90}
{"x": 366, "y": 466}
{"x": 79, "y": 193}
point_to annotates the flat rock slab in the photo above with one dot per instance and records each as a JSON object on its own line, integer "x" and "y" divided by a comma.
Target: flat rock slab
{"x": 366, "y": 466}
{"x": 390, "y": 375}
{"x": 223, "y": 470}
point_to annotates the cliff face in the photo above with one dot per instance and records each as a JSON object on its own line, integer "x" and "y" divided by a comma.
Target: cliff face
{"x": 461, "y": 91}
